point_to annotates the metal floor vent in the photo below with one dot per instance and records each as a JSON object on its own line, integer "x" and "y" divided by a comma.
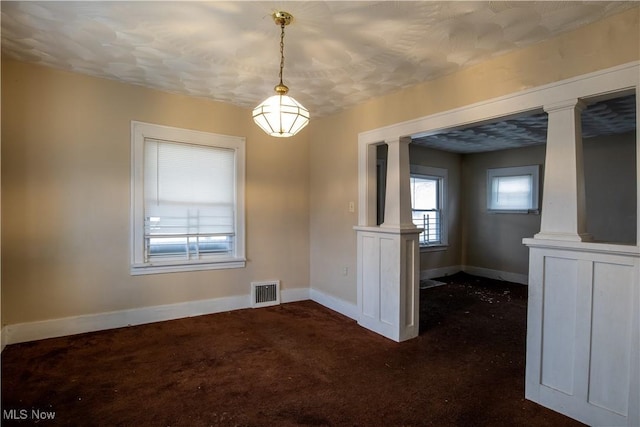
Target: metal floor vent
{"x": 264, "y": 294}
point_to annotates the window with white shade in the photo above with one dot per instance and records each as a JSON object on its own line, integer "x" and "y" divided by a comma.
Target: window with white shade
{"x": 513, "y": 189}
{"x": 187, "y": 200}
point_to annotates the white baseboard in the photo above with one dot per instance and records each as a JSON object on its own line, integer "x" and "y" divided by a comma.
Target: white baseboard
{"x": 293, "y": 295}
{"x": 3, "y": 338}
{"x": 336, "y": 304}
{"x": 522, "y": 279}
{"x": 31, "y": 331}
{"x": 440, "y": 272}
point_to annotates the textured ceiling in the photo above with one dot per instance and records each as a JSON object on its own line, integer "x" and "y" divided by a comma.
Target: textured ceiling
{"x": 338, "y": 53}
{"x": 610, "y": 117}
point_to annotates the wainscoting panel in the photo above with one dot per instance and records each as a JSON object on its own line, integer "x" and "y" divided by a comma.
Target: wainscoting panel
{"x": 388, "y": 281}
{"x": 559, "y": 323}
{"x": 411, "y": 294}
{"x": 370, "y": 298}
{"x": 611, "y": 336}
{"x": 583, "y": 331}
{"x": 389, "y": 288}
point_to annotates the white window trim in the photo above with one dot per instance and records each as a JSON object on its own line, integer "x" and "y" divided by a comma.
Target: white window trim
{"x": 443, "y": 175}
{"x": 533, "y": 170}
{"x": 141, "y": 131}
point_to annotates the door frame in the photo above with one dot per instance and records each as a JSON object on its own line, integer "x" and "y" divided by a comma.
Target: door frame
{"x": 589, "y": 87}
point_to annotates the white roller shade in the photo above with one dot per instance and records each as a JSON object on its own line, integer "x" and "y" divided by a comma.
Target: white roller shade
{"x": 188, "y": 189}
{"x": 512, "y": 192}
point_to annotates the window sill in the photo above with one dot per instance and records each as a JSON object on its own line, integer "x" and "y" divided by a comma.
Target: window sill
{"x": 514, "y": 211}
{"x": 434, "y": 248}
{"x": 159, "y": 268}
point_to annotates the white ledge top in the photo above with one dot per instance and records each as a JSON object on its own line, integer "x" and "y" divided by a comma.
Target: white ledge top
{"x": 388, "y": 230}
{"x": 609, "y": 248}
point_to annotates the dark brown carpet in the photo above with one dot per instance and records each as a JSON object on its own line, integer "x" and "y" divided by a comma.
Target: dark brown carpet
{"x": 290, "y": 365}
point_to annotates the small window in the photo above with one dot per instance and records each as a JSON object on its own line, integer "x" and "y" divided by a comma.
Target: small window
{"x": 427, "y": 202}
{"x": 187, "y": 211}
{"x": 513, "y": 190}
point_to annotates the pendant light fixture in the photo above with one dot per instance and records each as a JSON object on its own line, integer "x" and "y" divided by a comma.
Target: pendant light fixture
{"x": 280, "y": 115}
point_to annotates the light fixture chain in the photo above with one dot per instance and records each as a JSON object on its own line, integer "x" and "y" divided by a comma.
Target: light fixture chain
{"x": 281, "y": 50}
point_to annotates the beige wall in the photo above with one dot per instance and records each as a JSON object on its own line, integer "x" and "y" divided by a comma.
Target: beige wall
{"x": 611, "y": 188}
{"x": 491, "y": 240}
{"x": 2, "y": 337}
{"x": 66, "y": 177}
{"x": 66, "y": 193}
{"x": 333, "y": 148}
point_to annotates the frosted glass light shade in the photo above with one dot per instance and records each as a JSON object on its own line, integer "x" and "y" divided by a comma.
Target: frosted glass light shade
{"x": 281, "y": 116}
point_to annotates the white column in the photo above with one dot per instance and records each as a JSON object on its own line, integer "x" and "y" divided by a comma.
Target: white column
{"x": 388, "y": 281}
{"x": 397, "y": 210}
{"x": 389, "y": 255}
{"x": 563, "y": 198}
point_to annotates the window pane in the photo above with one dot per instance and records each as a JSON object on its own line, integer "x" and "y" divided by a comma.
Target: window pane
{"x": 188, "y": 247}
{"x": 431, "y": 223}
{"x": 189, "y": 199}
{"x": 425, "y": 203}
{"x": 424, "y": 193}
{"x": 511, "y": 192}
